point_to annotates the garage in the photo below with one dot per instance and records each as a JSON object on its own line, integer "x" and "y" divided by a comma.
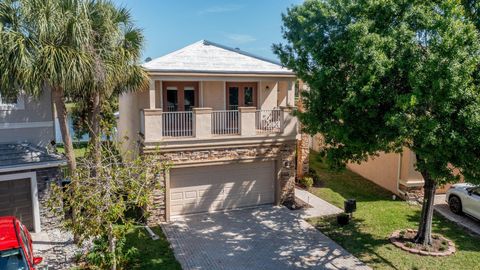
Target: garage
{"x": 16, "y": 200}
{"x": 219, "y": 187}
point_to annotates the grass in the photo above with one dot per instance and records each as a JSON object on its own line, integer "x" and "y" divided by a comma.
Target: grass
{"x": 78, "y": 148}
{"x": 152, "y": 254}
{"x": 377, "y": 216}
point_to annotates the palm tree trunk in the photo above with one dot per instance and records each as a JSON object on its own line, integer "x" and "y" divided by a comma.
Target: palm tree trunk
{"x": 59, "y": 100}
{"x": 95, "y": 130}
{"x": 424, "y": 233}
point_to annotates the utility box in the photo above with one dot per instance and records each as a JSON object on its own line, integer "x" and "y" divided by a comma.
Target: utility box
{"x": 350, "y": 206}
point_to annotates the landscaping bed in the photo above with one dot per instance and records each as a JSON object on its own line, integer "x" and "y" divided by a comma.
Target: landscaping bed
{"x": 377, "y": 217}
{"x": 404, "y": 239}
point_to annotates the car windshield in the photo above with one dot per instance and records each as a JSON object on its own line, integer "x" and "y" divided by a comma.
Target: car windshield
{"x": 12, "y": 259}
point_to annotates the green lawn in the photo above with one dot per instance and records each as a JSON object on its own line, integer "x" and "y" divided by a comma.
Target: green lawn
{"x": 78, "y": 148}
{"x": 152, "y": 254}
{"x": 377, "y": 217}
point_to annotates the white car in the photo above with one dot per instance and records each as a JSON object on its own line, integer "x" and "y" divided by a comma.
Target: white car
{"x": 464, "y": 198}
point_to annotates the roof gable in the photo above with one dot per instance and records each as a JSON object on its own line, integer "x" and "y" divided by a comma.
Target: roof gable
{"x": 209, "y": 57}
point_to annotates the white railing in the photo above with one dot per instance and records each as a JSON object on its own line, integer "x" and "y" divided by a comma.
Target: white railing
{"x": 225, "y": 122}
{"x": 177, "y": 124}
{"x": 268, "y": 121}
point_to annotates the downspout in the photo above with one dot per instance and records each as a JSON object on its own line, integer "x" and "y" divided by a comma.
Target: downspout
{"x": 401, "y": 193}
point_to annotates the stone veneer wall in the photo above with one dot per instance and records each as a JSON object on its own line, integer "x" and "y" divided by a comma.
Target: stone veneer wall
{"x": 45, "y": 178}
{"x": 284, "y": 153}
{"x": 303, "y": 152}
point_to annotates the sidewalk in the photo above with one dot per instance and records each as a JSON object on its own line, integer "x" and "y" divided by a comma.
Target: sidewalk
{"x": 468, "y": 223}
{"x": 319, "y": 207}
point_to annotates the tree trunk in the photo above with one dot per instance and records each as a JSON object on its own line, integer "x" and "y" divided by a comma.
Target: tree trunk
{"x": 95, "y": 130}
{"x": 59, "y": 100}
{"x": 424, "y": 234}
{"x": 112, "y": 247}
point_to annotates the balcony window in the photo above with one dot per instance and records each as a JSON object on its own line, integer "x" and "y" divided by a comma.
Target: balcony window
{"x": 248, "y": 94}
{"x": 189, "y": 98}
{"x": 172, "y": 99}
{"x": 241, "y": 94}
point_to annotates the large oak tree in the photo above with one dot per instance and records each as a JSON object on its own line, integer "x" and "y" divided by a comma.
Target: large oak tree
{"x": 389, "y": 74}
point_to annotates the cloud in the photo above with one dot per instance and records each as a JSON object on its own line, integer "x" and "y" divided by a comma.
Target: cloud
{"x": 219, "y": 9}
{"x": 241, "y": 38}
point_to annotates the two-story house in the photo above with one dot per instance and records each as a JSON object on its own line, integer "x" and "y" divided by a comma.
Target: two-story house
{"x": 26, "y": 166}
{"x": 223, "y": 118}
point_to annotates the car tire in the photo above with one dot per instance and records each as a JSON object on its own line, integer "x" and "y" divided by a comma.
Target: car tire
{"x": 455, "y": 205}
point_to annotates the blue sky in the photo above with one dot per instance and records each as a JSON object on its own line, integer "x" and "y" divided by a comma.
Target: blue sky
{"x": 251, "y": 25}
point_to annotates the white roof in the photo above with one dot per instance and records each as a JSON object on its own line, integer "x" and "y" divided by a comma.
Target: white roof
{"x": 208, "y": 57}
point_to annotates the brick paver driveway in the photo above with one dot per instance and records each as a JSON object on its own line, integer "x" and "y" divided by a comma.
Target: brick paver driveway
{"x": 263, "y": 238}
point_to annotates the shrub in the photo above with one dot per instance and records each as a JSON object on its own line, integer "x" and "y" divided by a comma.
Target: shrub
{"x": 307, "y": 181}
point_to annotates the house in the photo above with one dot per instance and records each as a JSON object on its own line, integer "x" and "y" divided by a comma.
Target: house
{"x": 223, "y": 118}
{"x": 393, "y": 171}
{"x": 27, "y": 167}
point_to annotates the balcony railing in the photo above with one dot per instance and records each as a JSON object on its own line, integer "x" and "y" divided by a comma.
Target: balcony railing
{"x": 225, "y": 122}
{"x": 268, "y": 121}
{"x": 204, "y": 123}
{"x": 177, "y": 124}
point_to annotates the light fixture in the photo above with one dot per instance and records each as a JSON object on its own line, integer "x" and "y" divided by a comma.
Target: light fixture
{"x": 267, "y": 88}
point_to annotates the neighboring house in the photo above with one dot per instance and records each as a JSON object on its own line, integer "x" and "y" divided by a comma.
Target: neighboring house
{"x": 223, "y": 118}
{"x": 26, "y": 166}
{"x": 392, "y": 171}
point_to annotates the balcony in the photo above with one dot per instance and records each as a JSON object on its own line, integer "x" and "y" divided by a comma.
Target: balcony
{"x": 205, "y": 124}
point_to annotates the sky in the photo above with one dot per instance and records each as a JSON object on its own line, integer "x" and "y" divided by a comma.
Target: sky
{"x": 251, "y": 25}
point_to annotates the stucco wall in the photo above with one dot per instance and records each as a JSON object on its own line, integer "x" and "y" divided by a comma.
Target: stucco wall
{"x": 32, "y": 124}
{"x": 382, "y": 170}
{"x": 267, "y": 98}
{"x": 213, "y": 95}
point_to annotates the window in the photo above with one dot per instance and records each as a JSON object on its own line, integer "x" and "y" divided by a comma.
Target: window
{"x": 189, "y": 98}
{"x": 476, "y": 191}
{"x": 233, "y": 98}
{"x": 172, "y": 99}
{"x": 12, "y": 259}
{"x": 249, "y": 96}
{"x": 9, "y": 101}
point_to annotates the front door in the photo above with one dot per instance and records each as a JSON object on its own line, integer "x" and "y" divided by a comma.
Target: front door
{"x": 241, "y": 94}
{"x": 180, "y": 96}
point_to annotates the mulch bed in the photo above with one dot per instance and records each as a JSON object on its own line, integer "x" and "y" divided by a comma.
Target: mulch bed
{"x": 441, "y": 246}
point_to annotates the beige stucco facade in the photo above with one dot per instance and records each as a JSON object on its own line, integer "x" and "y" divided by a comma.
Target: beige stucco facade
{"x": 395, "y": 172}
{"x": 142, "y": 121}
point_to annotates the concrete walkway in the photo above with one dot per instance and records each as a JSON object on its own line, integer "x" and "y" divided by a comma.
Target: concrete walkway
{"x": 319, "y": 207}
{"x": 468, "y": 223}
{"x": 267, "y": 238}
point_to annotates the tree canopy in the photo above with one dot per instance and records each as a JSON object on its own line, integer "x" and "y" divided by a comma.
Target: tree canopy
{"x": 387, "y": 74}
{"x": 384, "y": 75}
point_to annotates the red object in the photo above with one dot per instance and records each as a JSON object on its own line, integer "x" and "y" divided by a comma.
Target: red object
{"x": 16, "y": 245}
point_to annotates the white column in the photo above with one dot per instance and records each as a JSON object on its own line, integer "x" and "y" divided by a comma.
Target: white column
{"x": 151, "y": 94}
{"x": 202, "y": 122}
{"x": 247, "y": 121}
{"x": 201, "y": 94}
{"x": 160, "y": 92}
{"x": 224, "y": 95}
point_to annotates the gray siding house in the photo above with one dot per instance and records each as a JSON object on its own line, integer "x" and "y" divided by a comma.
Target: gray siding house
{"x": 27, "y": 166}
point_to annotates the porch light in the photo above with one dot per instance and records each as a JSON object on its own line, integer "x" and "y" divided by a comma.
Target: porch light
{"x": 267, "y": 88}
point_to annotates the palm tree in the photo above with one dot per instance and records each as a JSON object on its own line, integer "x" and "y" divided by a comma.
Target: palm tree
{"x": 116, "y": 48}
{"x": 44, "y": 44}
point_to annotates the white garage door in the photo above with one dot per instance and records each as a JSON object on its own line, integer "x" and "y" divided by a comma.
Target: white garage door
{"x": 211, "y": 188}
